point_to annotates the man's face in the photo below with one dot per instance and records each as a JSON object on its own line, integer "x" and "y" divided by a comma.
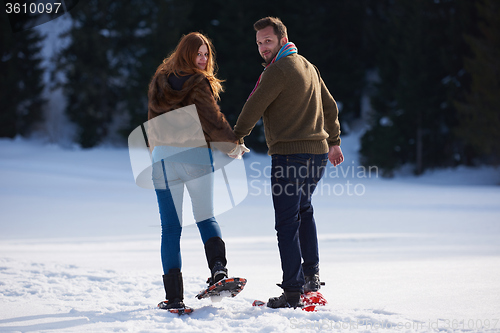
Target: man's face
{"x": 268, "y": 43}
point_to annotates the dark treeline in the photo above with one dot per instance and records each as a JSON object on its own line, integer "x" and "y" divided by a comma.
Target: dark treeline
{"x": 429, "y": 67}
{"x": 21, "y": 83}
{"x": 430, "y": 99}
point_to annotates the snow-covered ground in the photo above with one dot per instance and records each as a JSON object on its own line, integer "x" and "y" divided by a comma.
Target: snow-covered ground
{"x": 79, "y": 249}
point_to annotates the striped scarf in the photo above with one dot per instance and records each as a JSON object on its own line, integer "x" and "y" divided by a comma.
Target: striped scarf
{"x": 286, "y": 50}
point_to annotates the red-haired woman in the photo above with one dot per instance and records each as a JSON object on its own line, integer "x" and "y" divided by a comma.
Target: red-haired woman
{"x": 186, "y": 77}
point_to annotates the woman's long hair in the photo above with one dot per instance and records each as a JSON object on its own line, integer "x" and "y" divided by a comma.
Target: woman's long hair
{"x": 182, "y": 61}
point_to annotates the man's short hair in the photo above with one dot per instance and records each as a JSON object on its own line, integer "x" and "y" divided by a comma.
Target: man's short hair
{"x": 278, "y": 26}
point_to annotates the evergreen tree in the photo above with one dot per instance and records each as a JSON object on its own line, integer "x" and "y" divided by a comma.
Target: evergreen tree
{"x": 413, "y": 119}
{"x": 333, "y": 37}
{"x": 480, "y": 112}
{"x": 21, "y": 84}
{"x": 99, "y": 62}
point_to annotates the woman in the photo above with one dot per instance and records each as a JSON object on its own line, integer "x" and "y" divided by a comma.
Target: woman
{"x": 185, "y": 78}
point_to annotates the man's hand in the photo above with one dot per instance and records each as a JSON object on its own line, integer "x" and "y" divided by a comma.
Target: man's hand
{"x": 335, "y": 155}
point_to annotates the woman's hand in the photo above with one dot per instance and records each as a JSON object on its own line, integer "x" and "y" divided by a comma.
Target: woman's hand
{"x": 238, "y": 151}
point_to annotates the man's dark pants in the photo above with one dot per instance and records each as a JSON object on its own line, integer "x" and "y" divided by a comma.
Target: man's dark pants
{"x": 294, "y": 179}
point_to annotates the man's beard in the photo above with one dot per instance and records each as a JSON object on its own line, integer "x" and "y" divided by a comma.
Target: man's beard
{"x": 273, "y": 53}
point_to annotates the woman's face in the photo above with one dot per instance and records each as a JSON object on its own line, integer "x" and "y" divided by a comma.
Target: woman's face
{"x": 202, "y": 57}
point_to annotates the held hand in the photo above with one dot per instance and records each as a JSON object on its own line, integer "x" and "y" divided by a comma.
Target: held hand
{"x": 238, "y": 151}
{"x": 335, "y": 155}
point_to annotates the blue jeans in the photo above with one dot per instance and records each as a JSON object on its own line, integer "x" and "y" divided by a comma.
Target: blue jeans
{"x": 169, "y": 179}
{"x": 294, "y": 179}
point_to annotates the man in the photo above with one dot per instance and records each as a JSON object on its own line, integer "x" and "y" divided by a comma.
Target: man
{"x": 302, "y": 132}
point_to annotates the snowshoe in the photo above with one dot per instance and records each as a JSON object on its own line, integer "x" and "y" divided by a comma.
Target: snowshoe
{"x": 225, "y": 287}
{"x": 309, "y": 301}
{"x": 177, "y": 307}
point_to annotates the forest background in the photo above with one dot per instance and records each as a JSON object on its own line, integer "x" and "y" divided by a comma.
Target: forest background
{"x": 420, "y": 78}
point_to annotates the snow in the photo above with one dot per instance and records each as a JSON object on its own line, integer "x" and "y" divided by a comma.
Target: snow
{"x": 79, "y": 249}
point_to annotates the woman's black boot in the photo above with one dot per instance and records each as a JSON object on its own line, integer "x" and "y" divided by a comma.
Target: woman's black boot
{"x": 215, "y": 250}
{"x": 174, "y": 290}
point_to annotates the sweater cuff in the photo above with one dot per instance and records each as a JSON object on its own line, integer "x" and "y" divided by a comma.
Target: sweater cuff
{"x": 335, "y": 142}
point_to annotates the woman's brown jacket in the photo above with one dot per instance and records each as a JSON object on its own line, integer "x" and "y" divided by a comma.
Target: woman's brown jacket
{"x": 196, "y": 90}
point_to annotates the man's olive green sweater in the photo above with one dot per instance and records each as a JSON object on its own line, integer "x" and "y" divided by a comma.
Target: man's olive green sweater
{"x": 299, "y": 113}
